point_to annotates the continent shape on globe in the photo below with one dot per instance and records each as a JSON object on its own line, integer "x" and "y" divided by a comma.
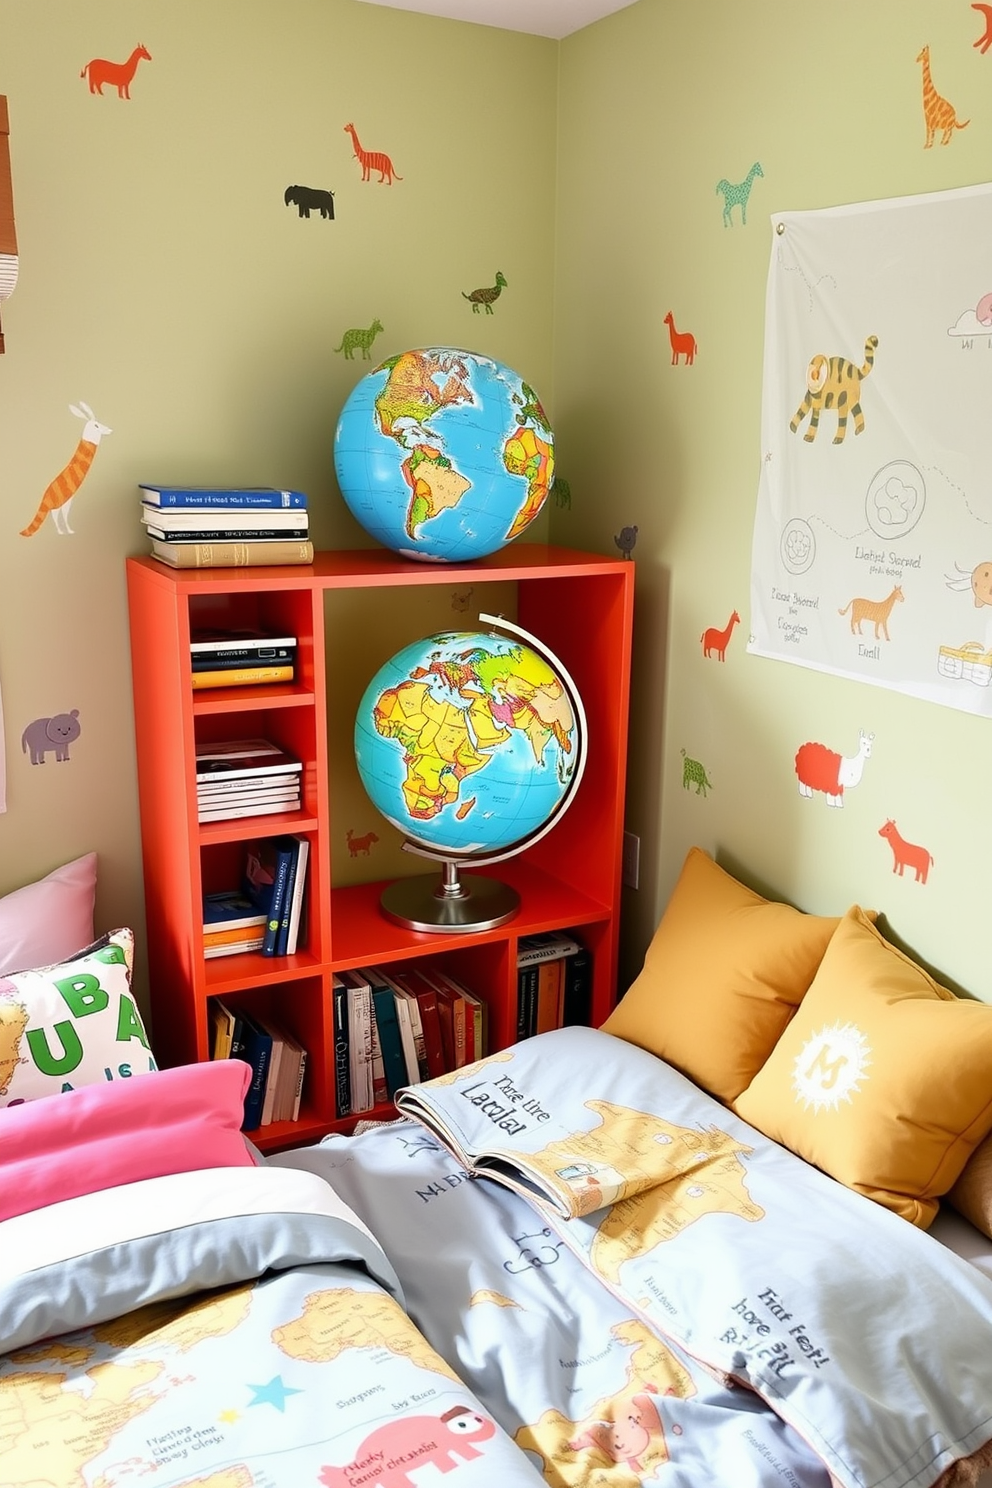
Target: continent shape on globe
{"x": 444, "y": 455}
{"x": 467, "y": 742}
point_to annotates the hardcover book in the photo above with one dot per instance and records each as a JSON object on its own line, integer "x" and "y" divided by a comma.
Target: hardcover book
{"x": 213, "y": 533}
{"x": 248, "y": 676}
{"x": 388, "y": 1028}
{"x": 230, "y": 910}
{"x": 342, "y": 1053}
{"x": 238, "y": 520}
{"x": 232, "y": 554}
{"x": 245, "y": 757}
{"x": 257, "y": 1053}
{"x": 236, "y": 496}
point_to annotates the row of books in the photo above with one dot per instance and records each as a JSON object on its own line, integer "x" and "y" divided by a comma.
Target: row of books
{"x": 266, "y": 913}
{"x": 225, "y": 526}
{"x": 240, "y": 658}
{"x": 245, "y": 777}
{"x": 554, "y": 983}
{"x": 278, "y": 1063}
{"x": 399, "y": 1025}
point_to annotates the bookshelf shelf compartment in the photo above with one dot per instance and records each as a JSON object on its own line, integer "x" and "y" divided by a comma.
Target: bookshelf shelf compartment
{"x": 579, "y": 604}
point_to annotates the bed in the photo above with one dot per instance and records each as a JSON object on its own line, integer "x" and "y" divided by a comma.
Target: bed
{"x": 705, "y": 1244}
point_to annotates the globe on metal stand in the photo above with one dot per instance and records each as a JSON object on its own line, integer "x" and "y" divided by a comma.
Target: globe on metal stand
{"x": 467, "y": 902}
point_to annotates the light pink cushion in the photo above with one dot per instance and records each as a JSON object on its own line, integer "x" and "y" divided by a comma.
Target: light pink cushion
{"x": 99, "y": 1136}
{"x": 49, "y": 920}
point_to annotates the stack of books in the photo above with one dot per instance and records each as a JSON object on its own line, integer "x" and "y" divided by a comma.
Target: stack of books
{"x": 275, "y": 877}
{"x": 245, "y": 777}
{"x": 277, "y": 1061}
{"x": 240, "y": 658}
{"x": 398, "y": 1025}
{"x": 232, "y": 924}
{"x": 554, "y": 982}
{"x": 226, "y": 526}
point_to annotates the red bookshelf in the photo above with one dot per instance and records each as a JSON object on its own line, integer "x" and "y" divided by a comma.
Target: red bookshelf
{"x": 579, "y": 604}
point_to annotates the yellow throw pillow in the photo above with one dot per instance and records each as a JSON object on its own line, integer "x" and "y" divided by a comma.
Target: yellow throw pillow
{"x": 883, "y": 1079}
{"x": 722, "y": 977}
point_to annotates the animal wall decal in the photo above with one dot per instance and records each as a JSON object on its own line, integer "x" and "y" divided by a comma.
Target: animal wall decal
{"x": 460, "y": 598}
{"x": 875, "y": 611}
{"x": 736, "y": 194}
{"x": 362, "y": 845}
{"x": 821, "y": 769}
{"x": 834, "y": 382}
{"x": 307, "y": 199}
{"x": 372, "y": 160}
{"x": 55, "y": 734}
{"x": 906, "y": 854}
{"x": 985, "y": 40}
{"x": 362, "y": 337}
{"x": 938, "y": 114}
{"x": 715, "y": 642}
{"x": 683, "y": 343}
{"x": 118, "y": 74}
{"x": 693, "y": 773}
{"x": 625, "y": 540}
{"x": 57, "y": 497}
{"x": 486, "y": 296}
{"x": 561, "y": 492}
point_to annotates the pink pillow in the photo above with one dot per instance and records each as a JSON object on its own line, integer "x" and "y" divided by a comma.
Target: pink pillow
{"x": 98, "y": 1136}
{"x": 49, "y": 920}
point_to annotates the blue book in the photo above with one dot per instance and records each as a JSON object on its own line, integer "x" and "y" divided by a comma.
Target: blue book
{"x": 342, "y": 1051}
{"x": 266, "y": 871}
{"x": 285, "y": 850}
{"x": 207, "y": 496}
{"x": 258, "y": 1053}
{"x": 282, "y": 934}
{"x": 390, "y": 1044}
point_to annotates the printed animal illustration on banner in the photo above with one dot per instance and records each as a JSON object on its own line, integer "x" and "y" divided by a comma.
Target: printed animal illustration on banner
{"x": 118, "y": 74}
{"x": 875, "y": 611}
{"x": 486, "y": 296}
{"x": 57, "y": 497}
{"x": 834, "y": 382}
{"x": 906, "y": 854}
{"x": 307, "y": 199}
{"x": 683, "y": 343}
{"x": 715, "y": 642}
{"x": 411, "y": 1442}
{"x": 693, "y": 773}
{"x": 736, "y": 194}
{"x": 938, "y": 114}
{"x": 54, "y": 734}
{"x": 821, "y": 769}
{"x": 372, "y": 160}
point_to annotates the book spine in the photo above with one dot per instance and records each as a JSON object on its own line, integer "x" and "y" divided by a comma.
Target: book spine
{"x": 232, "y": 555}
{"x": 532, "y": 949}
{"x": 577, "y": 991}
{"x": 220, "y": 658}
{"x": 298, "y": 1095}
{"x": 342, "y": 1051}
{"x": 226, "y": 534}
{"x": 282, "y": 935}
{"x": 258, "y": 1047}
{"x": 526, "y": 994}
{"x": 181, "y": 497}
{"x": 549, "y": 975}
{"x": 248, "y": 676}
{"x": 380, "y": 1091}
{"x": 299, "y": 889}
{"x": 279, "y": 879}
{"x": 394, "y": 1065}
{"x": 235, "y": 813}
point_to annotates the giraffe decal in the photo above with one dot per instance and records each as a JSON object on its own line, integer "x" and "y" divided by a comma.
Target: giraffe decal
{"x": 938, "y": 114}
{"x": 372, "y": 160}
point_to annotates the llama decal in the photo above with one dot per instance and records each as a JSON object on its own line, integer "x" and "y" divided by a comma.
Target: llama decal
{"x": 736, "y": 194}
{"x": 834, "y": 382}
{"x": 118, "y": 74}
{"x": 57, "y": 497}
{"x": 683, "y": 343}
{"x": 715, "y": 642}
{"x": 821, "y": 769}
{"x": 906, "y": 854}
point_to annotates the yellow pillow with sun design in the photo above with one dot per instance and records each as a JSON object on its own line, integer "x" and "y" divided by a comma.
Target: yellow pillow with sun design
{"x": 883, "y": 1078}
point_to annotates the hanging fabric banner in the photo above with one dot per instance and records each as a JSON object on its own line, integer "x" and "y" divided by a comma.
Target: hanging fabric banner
{"x": 872, "y": 554}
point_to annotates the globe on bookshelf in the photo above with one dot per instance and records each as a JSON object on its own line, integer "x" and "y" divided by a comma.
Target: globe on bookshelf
{"x": 472, "y": 744}
{"x": 443, "y": 455}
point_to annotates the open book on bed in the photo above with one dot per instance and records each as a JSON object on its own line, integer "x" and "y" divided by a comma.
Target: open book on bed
{"x": 516, "y": 1118}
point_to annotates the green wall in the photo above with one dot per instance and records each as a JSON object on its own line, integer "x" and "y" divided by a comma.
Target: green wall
{"x": 165, "y": 283}
{"x": 657, "y": 103}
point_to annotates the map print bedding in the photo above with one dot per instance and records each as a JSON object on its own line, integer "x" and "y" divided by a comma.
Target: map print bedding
{"x": 237, "y": 1328}
{"x": 736, "y": 1317}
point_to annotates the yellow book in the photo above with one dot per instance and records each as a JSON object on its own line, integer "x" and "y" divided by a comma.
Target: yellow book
{"x": 243, "y": 676}
{"x": 232, "y": 554}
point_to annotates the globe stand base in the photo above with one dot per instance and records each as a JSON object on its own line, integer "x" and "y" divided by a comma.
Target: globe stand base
{"x": 456, "y": 904}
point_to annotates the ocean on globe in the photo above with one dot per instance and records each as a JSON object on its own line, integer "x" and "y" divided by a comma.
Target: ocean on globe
{"x": 443, "y": 455}
{"x": 468, "y": 742}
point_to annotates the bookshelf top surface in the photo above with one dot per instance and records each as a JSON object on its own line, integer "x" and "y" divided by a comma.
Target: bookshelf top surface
{"x": 364, "y": 567}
